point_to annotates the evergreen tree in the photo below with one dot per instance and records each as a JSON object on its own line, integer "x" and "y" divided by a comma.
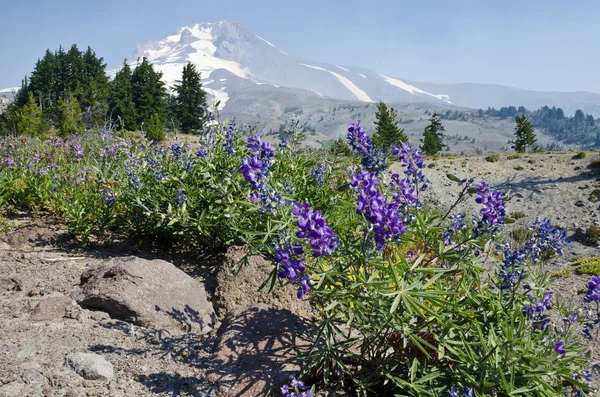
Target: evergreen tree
{"x": 70, "y": 121}
{"x": 433, "y": 136}
{"x": 524, "y": 134}
{"x": 190, "y": 99}
{"x": 29, "y": 118}
{"x": 148, "y": 92}
{"x": 155, "y": 129}
{"x": 387, "y": 134}
{"x": 121, "y": 108}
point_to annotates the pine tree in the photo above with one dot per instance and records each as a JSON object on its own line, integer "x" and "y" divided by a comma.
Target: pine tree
{"x": 29, "y": 118}
{"x": 524, "y": 134}
{"x": 148, "y": 92}
{"x": 387, "y": 134}
{"x": 433, "y": 137}
{"x": 190, "y": 99}
{"x": 155, "y": 129}
{"x": 121, "y": 108}
{"x": 70, "y": 121}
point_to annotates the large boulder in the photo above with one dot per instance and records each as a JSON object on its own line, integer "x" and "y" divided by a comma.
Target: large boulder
{"x": 256, "y": 350}
{"x": 240, "y": 277}
{"x": 148, "y": 293}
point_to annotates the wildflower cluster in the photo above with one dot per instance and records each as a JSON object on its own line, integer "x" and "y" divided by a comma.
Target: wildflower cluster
{"x": 292, "y": 268}
{"x": 412, "y": 162}
{"x": 373, "y": 158}
{"x": 546, "y": 238}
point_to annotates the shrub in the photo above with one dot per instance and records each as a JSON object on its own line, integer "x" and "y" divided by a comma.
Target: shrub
{"x": 579, "y": 155}
{"x": 519, "y": 168}
{"x": 492, "y": 158}
{"x": 565, "y": 272}
{"x": 513, "y": 156}
{"x": 588, "y": 266}
{"x": 155, "y": 129}
{"x": 594, "y": 163}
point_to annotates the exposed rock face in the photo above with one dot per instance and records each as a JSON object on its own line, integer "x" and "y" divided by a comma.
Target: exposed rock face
{"x": 256, "y": 350}
{"x": 90, "y": 366}
{"x": 148, "y": 293}
{"x": 240, "y": 289}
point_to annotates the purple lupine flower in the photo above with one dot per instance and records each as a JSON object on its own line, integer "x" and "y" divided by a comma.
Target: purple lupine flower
{"x": 44, "y": 171}
{"x": 296, "y": 388}
{"x": 406, "y": 193}
{"x": 318, "y": 173}
{"x": 256, "y": 169}
{"x": 181, "y": 197}
{"x": 229, "y": 135}
{"x": 292, "y": 267}
{"x": 109, "y": 197}
{"x": 593, "y": 290}
{"x": 493, "y": 212}
{"x": 384, "y": 216}
{"x": 537, "y": 312}
{"x": 466, "y": 392}
{"x": 78, "y": 150}
{"x": 373, "y": 158}
{"x": 558, "y": 347}
{"x": 412, "y": 162}
{"x": 315, "y": 230}
{"x": 133, "y": 178}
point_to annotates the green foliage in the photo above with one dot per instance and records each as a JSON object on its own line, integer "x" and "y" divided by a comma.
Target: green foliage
{"x": 190, "y": 100}
{"x": 148, "y": 93}
{"x": 594, "y": 196}
{"x": 592, "y": 235}
{"x": 433, "y": 137}
{"x": 121, "y": 106}
{"x": 340, "y": 148}
{"x": 524, "y": 134}
{"x": 493, "y": 158}
{"x": 517, "y": 215}
{"x": 412, "y": 319}
{"x": 29, "y": 120}
{"x": 579, "y": 155}
{"x": 595, "y": 163}
{"x": 387, "y": 134}
{"x": 513, "y": 156}
{"x": 588, "y": 266}
{"x": 155, "y": 129}
{"x": 70, "y": 121}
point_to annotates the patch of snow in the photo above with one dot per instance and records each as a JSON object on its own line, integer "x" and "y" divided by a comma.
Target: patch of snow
{"x": 360, "y": 94}
{"x": 219, "y": 95}
{"x": 11, "y": 90}
{"x": 222, "y": 80}
{"x": 362, "y": 75}
{"x": 314, "y": 67}
{"x": 283, "y": 52}
{"x": 268, "y": 42}
{"x": 412, "y": 89}
{"x": 342, "y": 68}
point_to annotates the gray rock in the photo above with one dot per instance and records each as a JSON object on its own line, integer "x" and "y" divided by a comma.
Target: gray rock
{"x": 579, "y": 203}
{"x": 51, "y": 307}
{"x": 12, "y": 389}
{"x": 10, "y": 284}
{"x": 148, "y": 293}
{"x": 257, "y": 349}
{"x": 237, "y": 289}
{"x": 90, "y": 366}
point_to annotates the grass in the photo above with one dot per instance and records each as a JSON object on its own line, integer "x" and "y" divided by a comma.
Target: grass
{"x": 589, "y": 266}
{"x": 516, "y": 215}
{"x": 513, "y": 156}
{"x": 579, "y": 155}
{"x": 519, "y": 168}
{"x": 521, "y": 235}
{"x": 594, "y": 195}
{"x": 595, "y": 163}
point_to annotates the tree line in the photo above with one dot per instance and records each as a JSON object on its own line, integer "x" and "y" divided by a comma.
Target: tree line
{"x": 581, "y": 128}
{"x": 69, "y": 91}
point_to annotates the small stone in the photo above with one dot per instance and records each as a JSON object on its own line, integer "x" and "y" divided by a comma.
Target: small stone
{"x": 34, "y": 292}
{"x": 10, "y": 284}
{"x": 579, "y": 203}
{"x": 90, "y": 366}
{"x": 50, "y": 308}
{"x": 98, "y": 315}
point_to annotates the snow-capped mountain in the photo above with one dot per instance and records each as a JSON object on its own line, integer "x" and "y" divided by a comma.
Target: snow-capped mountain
{"x": 231, "y": 47}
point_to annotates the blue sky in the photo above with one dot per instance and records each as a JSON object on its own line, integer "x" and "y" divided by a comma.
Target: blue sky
{"x": 545, "y": 45}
